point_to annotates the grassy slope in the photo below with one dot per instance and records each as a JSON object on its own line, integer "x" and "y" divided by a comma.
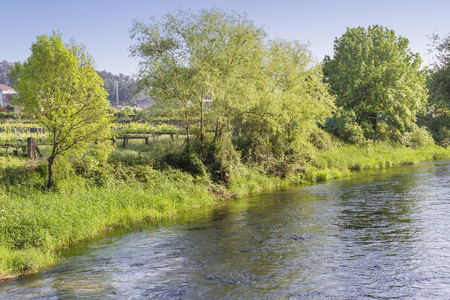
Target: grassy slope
{"x": 34, "y": 223}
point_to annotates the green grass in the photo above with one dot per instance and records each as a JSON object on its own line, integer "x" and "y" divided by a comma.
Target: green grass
{"x": 377, "y": 155}
{"x": 34, "y": 223}
{"x": 247, "y": 180}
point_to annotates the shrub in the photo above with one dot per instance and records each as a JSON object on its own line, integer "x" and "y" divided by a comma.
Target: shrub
{"x": 187, "y": 161}
{"x": 344, "y": 126}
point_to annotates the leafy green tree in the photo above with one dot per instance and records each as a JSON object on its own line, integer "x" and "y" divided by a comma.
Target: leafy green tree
{"x": 438, "y": 119}
{"x": 376, "y": 75}
{"x": 188, "y": 58}
{"x": 439, "y": 79}
{"x": 5, "y": 68}
{"x": 62, "y": 92}
{"x": 269, "y": 92}
{"x": 125, "y": 85}
{"x": 292, "y": 99}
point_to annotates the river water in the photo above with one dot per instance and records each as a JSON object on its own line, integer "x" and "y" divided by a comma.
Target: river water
{"x": 378, "y": 234}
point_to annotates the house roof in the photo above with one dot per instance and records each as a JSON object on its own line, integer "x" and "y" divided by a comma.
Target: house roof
{"x": 4, "y": 87}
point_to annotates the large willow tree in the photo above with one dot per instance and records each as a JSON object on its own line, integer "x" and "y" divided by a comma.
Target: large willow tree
{"x": 190, "y": 58}
{"x": 269, "y": 92}
{"x": 62, "y": 92}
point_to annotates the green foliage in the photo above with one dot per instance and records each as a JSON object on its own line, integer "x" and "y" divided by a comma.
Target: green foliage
{"x": 125, "y": 85}
{"x": 438, "y": 119}
{"x": 271, "y": 92}
{"x": 187, "y": 161}
{"x": 289, "y": 103}
{"x": 322, "y": 140}
{"x": 439, "y": 77}
{"x": 376, "y": 155}
{"x": 245, "y": 180}
{"x": 439, "y": 127}
{"x": 375, "y": 74}
{"x": 5, "y": 68}
{"x": 145, "y": 128}
{"x": 344, "y": 126}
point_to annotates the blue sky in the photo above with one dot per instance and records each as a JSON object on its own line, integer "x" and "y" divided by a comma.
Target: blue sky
{"x": 103, "y": 25}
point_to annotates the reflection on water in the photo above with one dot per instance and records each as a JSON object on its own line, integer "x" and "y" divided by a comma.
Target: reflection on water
{"x": 378, "y": 234}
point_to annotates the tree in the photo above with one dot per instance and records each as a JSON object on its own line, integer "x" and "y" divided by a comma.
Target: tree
{"x": 60, "y": 89}
{"x": 124, "y": 83}
{"x": 5, "y": 68}
{"x": 439, "y": 77}
{"x": 375, "y": 74}
{"x": 269, "y": 91}
{"x": 190, "y": 57}
{"x": 292, "y": 100}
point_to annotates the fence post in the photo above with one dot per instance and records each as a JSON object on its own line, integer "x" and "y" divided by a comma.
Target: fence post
{"x": 31, "y": 148}
{"x": 125, "y": 142}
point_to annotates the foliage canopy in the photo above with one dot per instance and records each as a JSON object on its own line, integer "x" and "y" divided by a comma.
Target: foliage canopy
{"x": 375, "y": 74}
{"x": 439, "y": 80}
{"x": 219, "y": 67}
{"x": 62, "y": 92}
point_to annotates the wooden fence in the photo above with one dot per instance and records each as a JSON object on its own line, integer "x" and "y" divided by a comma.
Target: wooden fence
{"x": 30, "y": 150}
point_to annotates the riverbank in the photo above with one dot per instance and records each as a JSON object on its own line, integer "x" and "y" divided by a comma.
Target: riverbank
{"x": 34, "y": 223}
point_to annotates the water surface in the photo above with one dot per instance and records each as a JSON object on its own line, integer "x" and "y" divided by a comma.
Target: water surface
{"x": 379, "y": 234}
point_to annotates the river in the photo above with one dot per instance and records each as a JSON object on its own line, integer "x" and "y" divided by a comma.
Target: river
{"x": 377, "y": 234}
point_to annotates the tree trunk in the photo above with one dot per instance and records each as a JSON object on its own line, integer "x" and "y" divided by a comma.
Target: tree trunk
{"x": 187, "y": 127}
{"x": 373, "y": 120}
{"x": 51, "y": 160}
{"x": 201, "y": 123}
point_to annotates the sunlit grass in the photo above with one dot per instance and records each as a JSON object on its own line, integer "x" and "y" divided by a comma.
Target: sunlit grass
{"x": 378, "y": 155}
{"x": 35, "y": 223}
{"x": 39, "y": 222}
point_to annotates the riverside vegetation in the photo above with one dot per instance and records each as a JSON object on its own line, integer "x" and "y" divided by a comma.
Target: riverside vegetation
{"x": 247, "y": 114}
{"x": 137, "y": 184}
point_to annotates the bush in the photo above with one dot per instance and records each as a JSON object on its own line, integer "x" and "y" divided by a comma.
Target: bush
{"x": 322, "y": 140}
{"x": 187, "y": 161}
{"x": 344, "y": 126}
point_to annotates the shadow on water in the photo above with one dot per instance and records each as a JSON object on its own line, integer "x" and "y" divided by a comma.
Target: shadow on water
{"x": 377, "y": 234}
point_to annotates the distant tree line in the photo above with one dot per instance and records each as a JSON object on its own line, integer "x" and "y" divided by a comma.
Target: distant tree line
{"x": 125, "y": 84}
{"x": 5, "y": 67}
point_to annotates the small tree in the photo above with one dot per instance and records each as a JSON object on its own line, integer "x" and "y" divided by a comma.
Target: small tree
{"x": 60, "y": 89}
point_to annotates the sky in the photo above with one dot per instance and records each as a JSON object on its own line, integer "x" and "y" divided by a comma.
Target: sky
{"x": 103, "y": 25}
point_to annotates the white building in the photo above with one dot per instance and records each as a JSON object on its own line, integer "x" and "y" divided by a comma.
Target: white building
{"x": 6, "y": 93}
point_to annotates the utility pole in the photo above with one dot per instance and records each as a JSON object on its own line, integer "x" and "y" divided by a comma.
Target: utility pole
{"x": 117, "y": 93}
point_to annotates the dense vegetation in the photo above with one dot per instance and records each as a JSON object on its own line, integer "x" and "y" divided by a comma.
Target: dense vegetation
{"x": 5, "y": 67}
{"x": 438, "y": 119}
{"x": 234, "y": 112}
{"x": 378, "y": 86}
{"x": 123, "y": 84}
{"x": 72, "y": 108}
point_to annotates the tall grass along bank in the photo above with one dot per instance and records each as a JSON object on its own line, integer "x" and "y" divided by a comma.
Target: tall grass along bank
{"x": 35, "y": 223}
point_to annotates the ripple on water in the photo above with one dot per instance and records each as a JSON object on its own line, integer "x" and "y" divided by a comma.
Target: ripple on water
{"x": 376, "y": 235}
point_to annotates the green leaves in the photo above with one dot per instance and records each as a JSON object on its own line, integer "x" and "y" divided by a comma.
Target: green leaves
{"x": 375, "y": 74}
{"x": 62, "y": 92}
{"x": 268, "y": 89}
